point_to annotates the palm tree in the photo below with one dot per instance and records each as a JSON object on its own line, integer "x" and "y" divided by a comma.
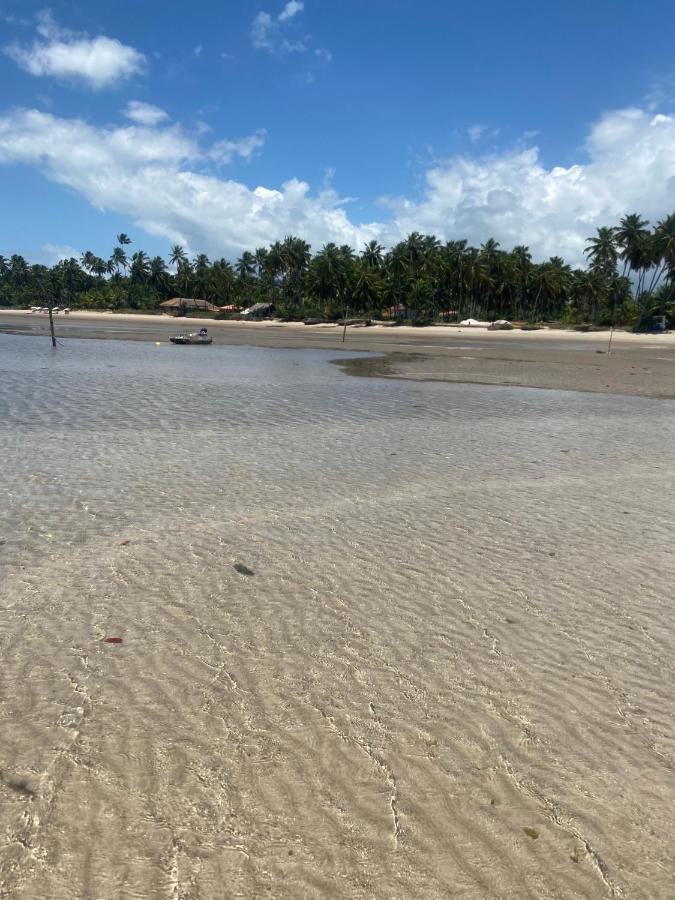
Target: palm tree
{"x": 328, "y": 276}
{"x": 490, "y": 249}
{"x": 453, "y": 272}
{"x": 274, "y": 264}
{"x": 87, "y": 261}
{"x": 184, "y": 277}
{"x": 295, "y": 254}
{"x": 119, "y": 259}
{"x": 159, "y": 276}
{"x": 664, "y": 250}
{"x": 372, "y": 255}
{"x": 99, "y": 267}
{"x": 602, "y": 252}
{"x": 18, "y": 269}
{"x": 221, "y": 282}
{"x": 587, "y": 291}
{"x": 550, "y": 282}
{"x": 245, "y": 267}
{"x": 177, "y": 256}
{"x": 366, "y": 293}
{"x": 140, "y": 267}
{"x": 72, "y": 273}
{"x": 123, "y": 239}
{"x": 629, "y": 236}
{"x": 523, "y": 263}
{"x": 261, "y": 260}
{"x": 476, "y": 278}
{"x": 202, "y": 271}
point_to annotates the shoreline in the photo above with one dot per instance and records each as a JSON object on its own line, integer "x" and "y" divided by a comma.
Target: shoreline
{"x": 666, "y": 339}
{"x": 555, "y": 359}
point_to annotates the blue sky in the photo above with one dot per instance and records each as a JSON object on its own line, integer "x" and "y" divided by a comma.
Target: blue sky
{"x": 525, "y": 121}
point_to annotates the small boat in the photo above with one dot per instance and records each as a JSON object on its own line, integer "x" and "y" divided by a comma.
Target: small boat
{"x": 197, "y": 337}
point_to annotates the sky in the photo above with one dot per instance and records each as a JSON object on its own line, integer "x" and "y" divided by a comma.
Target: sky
{"x": 224, "y": 126}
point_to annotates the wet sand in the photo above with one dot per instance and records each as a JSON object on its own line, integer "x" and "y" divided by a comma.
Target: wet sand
{"x": 380, "y": 638}
{"x": 639, "y": 365}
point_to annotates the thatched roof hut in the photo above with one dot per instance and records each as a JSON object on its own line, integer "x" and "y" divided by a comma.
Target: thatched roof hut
{"x": 188, "y": 303}
{"x": 259, "y": 309}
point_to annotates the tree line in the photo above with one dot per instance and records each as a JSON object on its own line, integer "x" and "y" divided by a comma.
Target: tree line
{"x": 630, "y": 274}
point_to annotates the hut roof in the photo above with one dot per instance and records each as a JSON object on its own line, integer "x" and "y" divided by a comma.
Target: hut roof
{"x": 258, "y": 309}
{"x": 188, "y": 303}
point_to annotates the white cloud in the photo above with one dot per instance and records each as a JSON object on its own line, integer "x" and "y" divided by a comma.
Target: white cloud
{"x": 158, "y": 177}
{"x": 225, "y": 151}
{"x": 292, "y": 8}
{"x": 475, "y": 132}
{"x": 54, "y": 253}
{"x": 99, "y": 62}
{"x": 262, "y": 31}
{"x": 514, "y": 198}
{"x": 144, "y": 113}
{"x": 478, "y": 132}
{"x": 269, "y": 32}
{"x": 15, "y": 20}
{"x": 154, "y": 176}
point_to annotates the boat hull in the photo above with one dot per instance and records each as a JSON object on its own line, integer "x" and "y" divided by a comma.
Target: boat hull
{"x": 184, "y": 341}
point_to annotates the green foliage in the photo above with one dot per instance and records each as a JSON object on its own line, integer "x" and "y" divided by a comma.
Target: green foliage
{"x": 419, "y": 280}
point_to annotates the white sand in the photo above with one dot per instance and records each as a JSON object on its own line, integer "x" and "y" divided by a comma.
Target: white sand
{"x": 451, "y": 674}
{"x": 431, "y": 331}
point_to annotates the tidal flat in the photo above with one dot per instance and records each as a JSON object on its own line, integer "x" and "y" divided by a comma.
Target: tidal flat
{"x": 269, "y": 629}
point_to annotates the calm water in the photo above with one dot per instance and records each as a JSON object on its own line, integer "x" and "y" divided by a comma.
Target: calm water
{"x": 115, "y": 422}
{"x": 459, "y": 627}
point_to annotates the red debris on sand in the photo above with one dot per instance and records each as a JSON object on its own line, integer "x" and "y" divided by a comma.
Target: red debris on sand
{"x": 124, "y": 543}
{"x": 114, "y": 640}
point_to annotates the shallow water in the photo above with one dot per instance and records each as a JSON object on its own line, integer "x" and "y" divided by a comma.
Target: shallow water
{"x": 450, "y": 673}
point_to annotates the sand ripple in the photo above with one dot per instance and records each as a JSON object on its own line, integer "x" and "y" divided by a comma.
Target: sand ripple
{"x": 450, "y": 675}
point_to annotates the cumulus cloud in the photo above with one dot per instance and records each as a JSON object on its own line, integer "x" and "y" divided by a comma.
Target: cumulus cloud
{"x": 159, "y": 176}
{"x": 99, "y": 62}
{"x": 144, "y": 113}
{"x": 514, "y": 198}
{"x": 155, "y": 176}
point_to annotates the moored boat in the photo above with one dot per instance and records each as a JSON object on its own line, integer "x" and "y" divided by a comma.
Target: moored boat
{"x": 198, "y": 337}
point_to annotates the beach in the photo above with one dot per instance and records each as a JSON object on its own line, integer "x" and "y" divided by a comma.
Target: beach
{"x": 273, "y": 628}
{"x": 639, "y": 364}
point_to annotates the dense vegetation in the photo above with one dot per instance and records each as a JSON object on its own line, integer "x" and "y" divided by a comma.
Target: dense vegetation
{"x": 630, "y": 273}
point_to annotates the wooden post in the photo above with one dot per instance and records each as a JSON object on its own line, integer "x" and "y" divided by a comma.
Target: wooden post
{"x": 344, "y": 328}
{"x": 51, "y": 325}
{"x": 611, "y": 330}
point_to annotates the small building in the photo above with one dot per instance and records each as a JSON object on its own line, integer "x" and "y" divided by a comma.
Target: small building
{"x": 187, "y": 304}
{"x": 258, "y": 310}
{"x": 395, "y": 312}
